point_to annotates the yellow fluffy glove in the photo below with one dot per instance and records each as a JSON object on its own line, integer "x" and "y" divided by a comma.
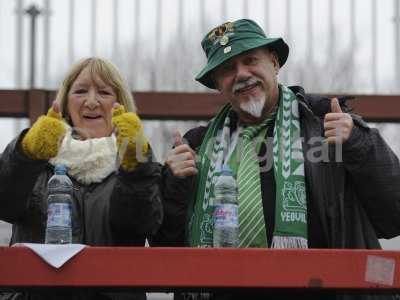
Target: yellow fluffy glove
{"x": 44, "y": 138}
{"x": 131, "y": 142}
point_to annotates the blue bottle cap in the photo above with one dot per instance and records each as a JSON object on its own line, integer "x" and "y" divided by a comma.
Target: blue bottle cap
{"x": 60, "y": 169}
{"x": 225, "y": 170}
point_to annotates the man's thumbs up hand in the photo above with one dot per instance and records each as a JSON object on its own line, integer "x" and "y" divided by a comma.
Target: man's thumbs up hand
{"x": 337, "y": 124}
{"x": 177, "y": 138}
{"x": 182, "y": 159}
{"x": 335, "y": 106}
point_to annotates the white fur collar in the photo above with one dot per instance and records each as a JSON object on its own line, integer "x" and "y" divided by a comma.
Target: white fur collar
{"x": 90, "y": 160}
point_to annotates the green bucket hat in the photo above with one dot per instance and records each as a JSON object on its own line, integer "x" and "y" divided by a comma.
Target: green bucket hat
{"x": 233, "y": 38}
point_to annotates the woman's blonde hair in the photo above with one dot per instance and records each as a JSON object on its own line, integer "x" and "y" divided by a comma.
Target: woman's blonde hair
{"x": 107, "y": 72}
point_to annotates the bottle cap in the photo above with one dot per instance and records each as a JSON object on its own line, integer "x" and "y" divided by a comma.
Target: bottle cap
{"x": 225, "y": 170}
{"x": 60, "y": 169}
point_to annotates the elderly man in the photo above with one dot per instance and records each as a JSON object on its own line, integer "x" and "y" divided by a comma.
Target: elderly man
{"x": 314, "y": 175}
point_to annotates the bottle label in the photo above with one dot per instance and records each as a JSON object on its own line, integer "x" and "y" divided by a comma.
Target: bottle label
{"x": 59, "y": 214}
{"x": 226, "y": 215}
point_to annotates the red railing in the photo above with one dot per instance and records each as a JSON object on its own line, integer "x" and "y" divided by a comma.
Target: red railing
{"x": 188, "y": 268}
{"x": 171, "y": 105}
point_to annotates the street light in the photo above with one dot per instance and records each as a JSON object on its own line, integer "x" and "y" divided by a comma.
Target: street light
{"x": 33, "y": 13}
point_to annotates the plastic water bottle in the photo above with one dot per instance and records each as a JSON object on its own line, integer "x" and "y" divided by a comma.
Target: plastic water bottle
{"x": 226, "y": 219}
{"x": 59, "y": 207}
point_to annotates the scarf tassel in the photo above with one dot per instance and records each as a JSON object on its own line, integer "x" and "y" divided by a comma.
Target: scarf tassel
{"x": 289, "y": 242}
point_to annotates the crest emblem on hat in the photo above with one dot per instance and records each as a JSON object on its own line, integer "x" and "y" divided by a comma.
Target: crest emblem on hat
{"x": 222, "y": 33}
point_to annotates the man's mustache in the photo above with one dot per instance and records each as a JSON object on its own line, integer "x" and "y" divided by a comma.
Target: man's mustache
{"x": 243, "y": 84}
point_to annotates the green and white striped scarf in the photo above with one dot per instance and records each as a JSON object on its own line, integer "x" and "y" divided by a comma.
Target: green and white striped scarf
{"x": 291, "y": 212}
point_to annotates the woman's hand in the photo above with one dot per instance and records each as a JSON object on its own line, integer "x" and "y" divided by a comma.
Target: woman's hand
{"x": 132, "y": 144}
{"x": 44, "y": 138}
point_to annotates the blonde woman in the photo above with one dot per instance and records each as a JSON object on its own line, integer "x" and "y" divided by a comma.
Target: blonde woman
{"x": 93, "y": 129}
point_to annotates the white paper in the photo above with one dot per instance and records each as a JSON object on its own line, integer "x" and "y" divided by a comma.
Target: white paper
{"x": 380, "y": 269}
{"x": 54, "y": 254}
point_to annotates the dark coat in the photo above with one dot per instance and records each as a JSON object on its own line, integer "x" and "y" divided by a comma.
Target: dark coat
{"x": 123, "y": 209}
{"x": 350, "y": 203}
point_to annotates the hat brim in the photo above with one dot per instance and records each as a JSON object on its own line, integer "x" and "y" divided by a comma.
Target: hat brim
{"x": 276, "y": 44}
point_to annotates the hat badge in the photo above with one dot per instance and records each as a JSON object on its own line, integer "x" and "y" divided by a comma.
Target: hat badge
{"x": 222, "y": 33}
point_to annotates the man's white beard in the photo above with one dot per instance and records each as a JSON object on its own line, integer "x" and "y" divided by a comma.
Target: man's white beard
{"x": 253, "y": 107}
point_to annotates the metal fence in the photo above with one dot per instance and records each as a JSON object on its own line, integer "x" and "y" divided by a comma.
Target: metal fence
{"x": 355, "y": 44}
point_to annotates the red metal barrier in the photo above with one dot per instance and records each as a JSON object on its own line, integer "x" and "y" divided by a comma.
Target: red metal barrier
{"x": 172, "y": 268}
{"x": 182, "y": 106}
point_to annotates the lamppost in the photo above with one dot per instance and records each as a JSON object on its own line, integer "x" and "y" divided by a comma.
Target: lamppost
{"x": 33, "y": 13}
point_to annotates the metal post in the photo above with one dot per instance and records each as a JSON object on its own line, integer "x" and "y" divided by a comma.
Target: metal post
{"x": 288, "y": 20}
{"x": 331, "y": 30}
{"x": 136, "y": 41}
{"x": 115, "y": 32}
{"x": 203, "y": 30}
{"x": 352, "y": 41}
{"x": 310, "y": 33}
{"x": 19, "y": 42}
{"x": 158, "y": 35}
{"x": 181, "y": 31}
{"x": 180, "y": 68}
{"x": 245, "y": 8}
{"x": 93, "y": 27}
{"x": 285, "y": 78}
{"x": 19, "y": 46}
{"x": 374, "y": 69}
{"x": 266, "y": 17}
{"x": 33, "y": 12}
{"x": 397, "y": 41}
{"x": 71, "y": 32}
{"x": 202, "y": 17}
{"x": 224, "y": 11}
{"x": 46, "y": 42}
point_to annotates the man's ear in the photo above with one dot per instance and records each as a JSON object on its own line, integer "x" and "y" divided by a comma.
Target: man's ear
{"x": 274, "y": 59}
